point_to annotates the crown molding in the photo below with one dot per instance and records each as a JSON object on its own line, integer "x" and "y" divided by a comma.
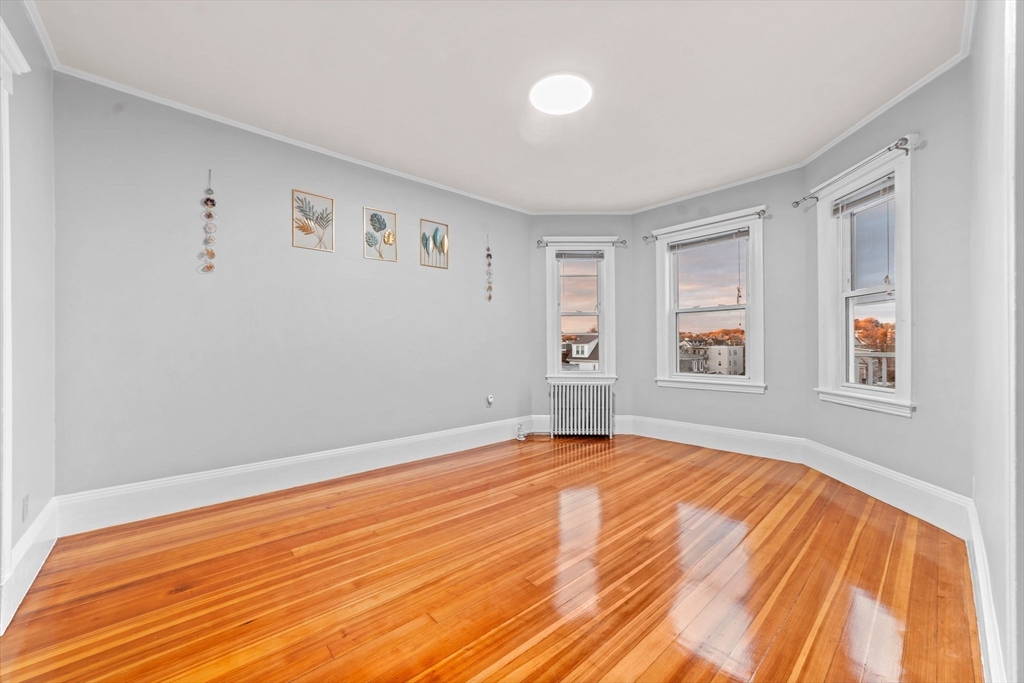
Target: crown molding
{"x": 13, "y": 60}
{"x": 142, "y": 94}
{"x": 44, "y": 37}
{"x": 970, "y": 9}
{"x": 719, "y": 188}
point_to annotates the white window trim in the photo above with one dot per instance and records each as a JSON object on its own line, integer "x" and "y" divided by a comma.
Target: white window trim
{"x": 606, "y": 335}
{"x": 668, "y": 375}
{"x": 12, "y": 63}
{"x": 833, "y": 386}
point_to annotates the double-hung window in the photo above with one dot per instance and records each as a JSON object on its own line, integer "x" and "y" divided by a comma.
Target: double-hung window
{"x": 710, "y": 307}
{"x": 581, "y": 313}
{"x": 864, "y": 286}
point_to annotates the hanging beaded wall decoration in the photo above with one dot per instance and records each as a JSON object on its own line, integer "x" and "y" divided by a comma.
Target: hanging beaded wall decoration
{"x": 209, "y": 227}
{"x": 490, "y": 271}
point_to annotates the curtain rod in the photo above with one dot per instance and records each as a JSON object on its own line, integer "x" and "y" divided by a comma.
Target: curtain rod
{"x": 903, "y": 143}
{"x": 616, "y": 243}
{"x": 759, "y": 214}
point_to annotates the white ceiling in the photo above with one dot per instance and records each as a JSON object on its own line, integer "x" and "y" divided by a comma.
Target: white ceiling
{"x": 687, "y": 95}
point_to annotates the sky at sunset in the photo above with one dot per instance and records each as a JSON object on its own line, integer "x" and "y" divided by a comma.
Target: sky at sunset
{"x": 707, "y": 275}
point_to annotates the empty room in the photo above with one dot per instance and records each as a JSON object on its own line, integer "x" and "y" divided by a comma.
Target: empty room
{"x": 511, "y": 340}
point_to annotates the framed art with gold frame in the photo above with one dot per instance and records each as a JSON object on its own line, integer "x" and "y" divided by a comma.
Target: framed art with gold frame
{"x": 433, "y": 244}
{"x": 380, "y": 234}
{"x": 312, "y": 221}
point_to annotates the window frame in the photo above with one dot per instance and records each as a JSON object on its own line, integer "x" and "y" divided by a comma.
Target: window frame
{"x": 835, "y": 288}
{"x": 606, "y": 311}
{"x": 667, "y": 331}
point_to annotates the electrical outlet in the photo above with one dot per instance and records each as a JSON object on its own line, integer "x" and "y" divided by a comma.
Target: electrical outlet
{"x": 24, "y": 508}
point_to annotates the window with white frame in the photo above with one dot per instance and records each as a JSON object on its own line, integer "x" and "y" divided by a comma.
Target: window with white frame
{"x": 581, "y": 314}
{"x": 864, "y": 285}
{"x": 710, "y": 305}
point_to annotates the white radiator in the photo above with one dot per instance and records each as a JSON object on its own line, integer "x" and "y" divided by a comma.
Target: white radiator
{"x": 581, "y": 410}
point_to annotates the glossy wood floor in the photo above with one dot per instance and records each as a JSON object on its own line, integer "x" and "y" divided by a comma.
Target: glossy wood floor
{"x": 630, "y": 560}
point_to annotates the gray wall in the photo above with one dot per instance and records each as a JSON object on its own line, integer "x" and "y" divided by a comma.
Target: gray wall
{"x": 32, "y": 273}
{"x": 787, "y": 336}
{"x": 282, "y": 351}
{"x": 935, "y": 444}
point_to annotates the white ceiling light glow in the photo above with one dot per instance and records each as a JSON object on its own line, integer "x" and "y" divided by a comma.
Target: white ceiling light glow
{"x": 561, "y": 94}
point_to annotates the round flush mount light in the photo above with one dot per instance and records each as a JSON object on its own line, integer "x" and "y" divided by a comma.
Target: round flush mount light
{"x": 560, "y": 94}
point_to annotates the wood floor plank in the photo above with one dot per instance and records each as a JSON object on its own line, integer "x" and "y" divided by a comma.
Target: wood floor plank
{"x": 920, "y": 651}
{"x": 628, "y": 559}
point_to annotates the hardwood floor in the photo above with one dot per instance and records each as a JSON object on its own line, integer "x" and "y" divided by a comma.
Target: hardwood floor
{"x": 581, "y": 560}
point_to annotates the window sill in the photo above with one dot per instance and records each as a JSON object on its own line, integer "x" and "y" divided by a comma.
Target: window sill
{"x": 742, "y": 386}
{"x": 581, "y": 378}
{"x": 878, "y": 404}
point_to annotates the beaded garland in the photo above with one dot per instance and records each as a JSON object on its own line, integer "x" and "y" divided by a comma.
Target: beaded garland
{"x": 490, "y": 273}
{"x": 209, "y": 227}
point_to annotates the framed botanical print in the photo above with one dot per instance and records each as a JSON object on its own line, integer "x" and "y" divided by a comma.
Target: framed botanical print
{"x": 312, "y": 221}
{"x": 433, "y": 244}
{"x": 380, "y": 234}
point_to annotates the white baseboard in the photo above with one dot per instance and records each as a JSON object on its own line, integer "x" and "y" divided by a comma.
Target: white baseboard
{"x": 984, "y": 603}
{"x": 933, "y": 504}
{"x": 776, "y": 447}
{"x": 106, "y": 507}
{"x": 944, "y": 509}
{"x": 27, "y": 558}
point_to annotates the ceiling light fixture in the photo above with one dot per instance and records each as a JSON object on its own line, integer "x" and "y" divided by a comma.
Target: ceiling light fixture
{"x": 561, "y": 94}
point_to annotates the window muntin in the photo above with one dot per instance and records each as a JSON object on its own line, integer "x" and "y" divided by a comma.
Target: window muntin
{"x": 710, "y": 306}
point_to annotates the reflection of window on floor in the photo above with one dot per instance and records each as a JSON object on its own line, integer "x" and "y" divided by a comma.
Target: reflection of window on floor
{"x": 697, "y": 621}
{"x": 579, "y": 530}
{"x": 876, "y": 638}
